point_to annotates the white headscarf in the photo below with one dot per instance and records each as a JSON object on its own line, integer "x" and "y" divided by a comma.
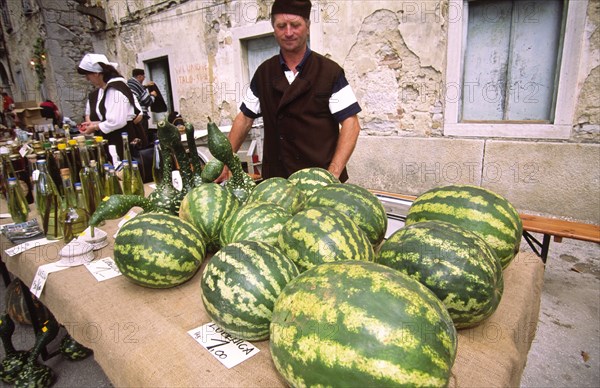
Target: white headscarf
{"x": 90, "y": 63}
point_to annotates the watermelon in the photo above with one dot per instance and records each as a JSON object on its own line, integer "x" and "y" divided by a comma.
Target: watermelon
{"x": 159, "y": 250}
{"x": 257, "y": 221}
{"x": 310, "y": 179}
{"x": 206, "y": 207}
{"x": 457, "y": 265}
{"x": 279, "y": 191}
{"x": 485, "y": 213}
{"x": 320, "y": 235}
{"x": 240, "y": 285}
{"x": 361, "y": 324}
{"x": 358, "y": 203}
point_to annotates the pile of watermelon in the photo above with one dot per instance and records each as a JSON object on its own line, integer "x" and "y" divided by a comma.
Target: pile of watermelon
{"x": 303, "y": 262}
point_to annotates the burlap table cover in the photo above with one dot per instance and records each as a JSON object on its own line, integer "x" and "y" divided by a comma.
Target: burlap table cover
{"x": 139, "y": 335}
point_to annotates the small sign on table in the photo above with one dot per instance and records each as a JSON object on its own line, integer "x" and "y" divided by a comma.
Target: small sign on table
{"x": 229, "y": 350}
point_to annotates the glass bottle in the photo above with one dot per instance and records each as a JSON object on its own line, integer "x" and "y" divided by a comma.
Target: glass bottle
{"x": 17, "y": 204}
{"x": 19, "y": 166}
{"x": 126, "y": 149}
{"x": 74, "y": 218}
{"x": 6, "y": 170}
{"x": 32, "y": 171}
{"x": 74, "y": 156}
{"x": 67, "y": 129}
{"x": 48, "y": 202}
{"x": 101, "y": 151}
{"x": 137, "y": 183}
{"x": 52, "y": 166}
{"x": 86, "y": 177}
{"x": 115, "y": 184}
{"x": 127, "y": 175}
{"x": 158, "y": 168}
{"x": 64, "y": 161}
{"x": 97, "y": 179}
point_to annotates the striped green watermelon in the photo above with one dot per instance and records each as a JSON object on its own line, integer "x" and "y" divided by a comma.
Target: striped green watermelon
{"x": 159, "y": 250}
{"x": 279, "y": 191}
{"x": 358, "y": 203}
{"x": 206, "y": 207}
{"x": 361, "y": 324}
{"x": 487, "y": 214}
{"x": 258, "y": 221}
{"x": 320, "y": 235}
{"x": 240, "y": 285}
{"x": 457, "y": 265}
{"x": 311, "y": 179}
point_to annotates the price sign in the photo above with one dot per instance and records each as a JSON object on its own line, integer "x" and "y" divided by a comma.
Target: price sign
{"x": 103, "y": 269}
{"x": 41, "y": 275}
{"x": 229, "y": 350}
{"x": 28, "y": 245}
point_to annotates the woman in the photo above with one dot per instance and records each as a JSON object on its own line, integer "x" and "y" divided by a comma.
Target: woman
{"x": 112, "y": 107}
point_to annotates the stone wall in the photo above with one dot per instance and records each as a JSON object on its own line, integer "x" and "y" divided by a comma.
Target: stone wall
{"x": 552, "y": 179}
{"x": 394, "y": 55}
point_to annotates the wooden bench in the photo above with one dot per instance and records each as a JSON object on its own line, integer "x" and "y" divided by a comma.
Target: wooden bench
{"x": 559, "y": 229}
{"x": 548, "y": 227}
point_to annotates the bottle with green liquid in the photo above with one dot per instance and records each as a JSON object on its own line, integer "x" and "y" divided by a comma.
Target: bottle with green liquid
{"x": 48, "y": 202}
{"x": 74, "y": 217}
{"x": 17, "y": 204}
{"x": 137, "y": 183}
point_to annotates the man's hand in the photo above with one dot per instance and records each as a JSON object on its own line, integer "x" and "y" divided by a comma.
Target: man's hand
{"x": 225, "y": 174}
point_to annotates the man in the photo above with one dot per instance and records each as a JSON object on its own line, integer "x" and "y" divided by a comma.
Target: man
{"x": 308, "y": 108}
{"x": 136, "y": 84}
{"x": 50, "y": 111}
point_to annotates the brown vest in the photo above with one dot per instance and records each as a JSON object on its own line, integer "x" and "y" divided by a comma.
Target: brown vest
{"x": 300, "y": 131}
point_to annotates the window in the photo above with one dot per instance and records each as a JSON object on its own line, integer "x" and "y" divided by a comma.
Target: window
{"x": 255, "y": 43}
{"x": 259, "y": 50}
{"x": 512, "y": 67}
{"x": 6, "y": 16}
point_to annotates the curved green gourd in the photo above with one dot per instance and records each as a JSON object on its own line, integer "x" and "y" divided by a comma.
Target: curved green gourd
{"x": 33, "y": 373}
{"x": 195, "y": 162}
{"x": 166, "y": 198}
{"x": 117, "y": 205}
{"x": 14, "y": 360}
{"x": 73, "y": 350}
{"x": 212, "y": 170}
{"x": 241, "y": 184}
{"x": 170, "y": 139}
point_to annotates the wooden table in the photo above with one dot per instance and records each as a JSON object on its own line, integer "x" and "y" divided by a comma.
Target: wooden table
{"x": 139, "y": 335}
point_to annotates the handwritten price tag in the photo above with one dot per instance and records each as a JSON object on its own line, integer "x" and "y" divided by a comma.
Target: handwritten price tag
{"x": 41, "y": 275}
{"x": 103, "y": 269}
{"x": 28, "y": 245}
{"x": 229, "y": 350}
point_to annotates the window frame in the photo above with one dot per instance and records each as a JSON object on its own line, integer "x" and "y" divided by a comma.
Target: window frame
{"x": 568, "y": 85}
{"x": 259, "y": 30}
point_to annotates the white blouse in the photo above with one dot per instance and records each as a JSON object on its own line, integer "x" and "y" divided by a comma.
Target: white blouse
{"x": 118, "y": 109}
